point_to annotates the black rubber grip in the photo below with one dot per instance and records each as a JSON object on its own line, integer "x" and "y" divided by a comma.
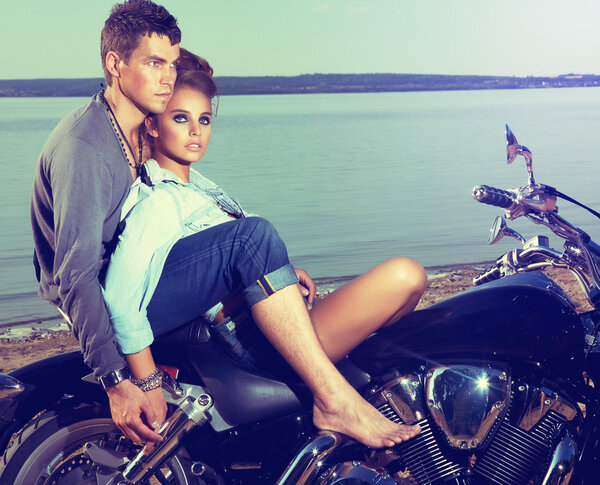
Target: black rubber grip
{"x": 494, "y": 196}
{"x": 490, "y": 275}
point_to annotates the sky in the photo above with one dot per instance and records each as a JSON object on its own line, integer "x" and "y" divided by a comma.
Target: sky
{"x": 60, "y": 38}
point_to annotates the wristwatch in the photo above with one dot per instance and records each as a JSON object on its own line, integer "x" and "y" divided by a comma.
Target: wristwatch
{"x": 113, "y": 378}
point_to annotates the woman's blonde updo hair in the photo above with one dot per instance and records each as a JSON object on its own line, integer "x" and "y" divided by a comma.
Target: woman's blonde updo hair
{"x": 195, "y": 72}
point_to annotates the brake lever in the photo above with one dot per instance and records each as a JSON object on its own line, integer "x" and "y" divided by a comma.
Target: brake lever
{"x": 546, "y": 198}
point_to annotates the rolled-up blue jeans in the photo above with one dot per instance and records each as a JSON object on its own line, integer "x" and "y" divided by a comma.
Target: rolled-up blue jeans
{"x": 204, "y": 268}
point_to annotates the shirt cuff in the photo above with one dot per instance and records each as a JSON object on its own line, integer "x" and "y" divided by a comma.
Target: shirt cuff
{"x": 132, "y": 332}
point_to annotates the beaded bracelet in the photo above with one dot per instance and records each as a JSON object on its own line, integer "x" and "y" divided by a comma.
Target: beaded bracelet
{"x": 153, "y": 381}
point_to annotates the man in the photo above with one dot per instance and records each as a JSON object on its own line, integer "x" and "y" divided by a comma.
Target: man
{"x": 83, "y": 176}
{"x": 85, "y": 170}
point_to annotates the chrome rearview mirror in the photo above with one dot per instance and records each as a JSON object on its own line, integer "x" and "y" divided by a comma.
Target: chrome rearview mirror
{"x": 499, "y": 229}
{"x": 513, "y": 149}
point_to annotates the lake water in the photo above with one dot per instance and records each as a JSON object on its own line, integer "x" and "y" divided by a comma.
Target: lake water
{"x": 348, "y": 179}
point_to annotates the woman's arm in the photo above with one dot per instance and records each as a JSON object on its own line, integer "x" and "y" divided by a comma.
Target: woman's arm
{"x": 151, "y": 229}
{"x": 141, "y": 365}
{"x": 142, "y": 410}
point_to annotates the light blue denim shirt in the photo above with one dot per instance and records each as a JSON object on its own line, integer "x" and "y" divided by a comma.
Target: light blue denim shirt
{"x": 159, "y": 210}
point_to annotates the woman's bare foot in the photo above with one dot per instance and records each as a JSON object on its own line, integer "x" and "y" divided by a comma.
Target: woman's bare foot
{"x": 351, "y": 415}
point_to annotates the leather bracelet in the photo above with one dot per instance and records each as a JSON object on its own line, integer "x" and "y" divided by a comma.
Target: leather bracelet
{"x": 113, "y": 378}
{"x": 153, "y": 381}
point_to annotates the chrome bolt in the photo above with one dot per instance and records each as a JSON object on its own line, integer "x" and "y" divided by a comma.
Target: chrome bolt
{"x": 388, "y": 394}
{"x": 355, "y": 463}
{"x": 502, "y": 376}
{"x": 429, "y": 374}
{"x": 197, "y": 469}
{"x": 203, "y": 399}
{"x": 547, "y": 402}
{"x": 521, "y": 388}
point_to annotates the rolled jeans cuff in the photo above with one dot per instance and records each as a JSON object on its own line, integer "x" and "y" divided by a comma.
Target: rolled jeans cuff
{"x": 269, "y": 284}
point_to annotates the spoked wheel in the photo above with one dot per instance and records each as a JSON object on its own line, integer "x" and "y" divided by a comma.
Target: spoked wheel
{"x": 50, "y": 451}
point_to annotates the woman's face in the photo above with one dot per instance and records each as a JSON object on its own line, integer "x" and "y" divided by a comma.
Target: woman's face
{"x": 182, "y": 132}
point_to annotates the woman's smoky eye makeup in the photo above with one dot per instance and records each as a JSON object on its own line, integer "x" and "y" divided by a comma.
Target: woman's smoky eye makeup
{"x": 180, "y": 118}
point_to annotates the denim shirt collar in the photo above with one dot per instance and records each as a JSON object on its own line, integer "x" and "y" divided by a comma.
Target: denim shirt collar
{"x": 153, "y": 174}
{"x": 156, "y": 174}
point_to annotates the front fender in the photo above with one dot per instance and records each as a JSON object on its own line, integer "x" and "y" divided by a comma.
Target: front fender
{"x": 38, "y": 386}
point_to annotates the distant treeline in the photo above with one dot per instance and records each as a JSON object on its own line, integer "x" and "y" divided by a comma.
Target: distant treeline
{"x": 315, "y": 83}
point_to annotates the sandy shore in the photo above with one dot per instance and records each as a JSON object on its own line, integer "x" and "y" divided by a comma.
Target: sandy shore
{"x": 45, "y": 343}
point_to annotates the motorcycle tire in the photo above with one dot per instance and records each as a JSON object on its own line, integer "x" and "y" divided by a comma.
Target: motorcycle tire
{"x": 49, "y": 449}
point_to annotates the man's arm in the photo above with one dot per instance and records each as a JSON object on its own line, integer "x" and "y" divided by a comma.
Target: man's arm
{"x": 82, "y": 189}
{"x": 82, "y": 194}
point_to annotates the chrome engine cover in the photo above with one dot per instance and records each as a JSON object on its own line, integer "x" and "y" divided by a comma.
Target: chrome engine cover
{"x": 467, "y": 402}
{"x": 476, "y": 422}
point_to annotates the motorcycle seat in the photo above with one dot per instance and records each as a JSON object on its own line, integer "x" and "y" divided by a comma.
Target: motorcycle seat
{"x": 242, "y": 396}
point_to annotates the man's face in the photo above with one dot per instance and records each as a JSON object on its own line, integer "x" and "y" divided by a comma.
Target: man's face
{"x": 148, "y": 78}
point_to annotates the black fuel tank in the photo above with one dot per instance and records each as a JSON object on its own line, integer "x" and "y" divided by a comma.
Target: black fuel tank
{"x": 523, "y": 317}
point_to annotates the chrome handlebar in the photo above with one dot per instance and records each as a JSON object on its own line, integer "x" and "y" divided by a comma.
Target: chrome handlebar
{"x": 537, "y": 202}
{"x": 536, "y": 199}
{"x": 519, "y": 261}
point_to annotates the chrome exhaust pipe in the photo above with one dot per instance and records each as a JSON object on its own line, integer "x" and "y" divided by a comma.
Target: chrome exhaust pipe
{"x": 307, "y": 464}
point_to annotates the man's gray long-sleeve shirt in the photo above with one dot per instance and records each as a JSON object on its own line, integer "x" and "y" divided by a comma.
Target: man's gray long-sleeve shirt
{"x": 79, "y": 187}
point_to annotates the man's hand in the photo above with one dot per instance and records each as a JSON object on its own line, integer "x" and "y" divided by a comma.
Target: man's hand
{"x": 307, "y": 286}
{"x": 138, "y": 414}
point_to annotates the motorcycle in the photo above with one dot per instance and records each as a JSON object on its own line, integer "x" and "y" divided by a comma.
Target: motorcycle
{"x": 502, "y": 378}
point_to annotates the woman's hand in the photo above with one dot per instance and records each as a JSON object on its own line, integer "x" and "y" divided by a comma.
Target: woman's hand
{"x": 307, "y": 286}
{"x": 159, "y": 406}
{"x": 133, "y": 412}
{"x": 137, "y": 413}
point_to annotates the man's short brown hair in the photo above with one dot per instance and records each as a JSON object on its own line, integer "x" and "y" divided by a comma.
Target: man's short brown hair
{"x": 128, "y": 22}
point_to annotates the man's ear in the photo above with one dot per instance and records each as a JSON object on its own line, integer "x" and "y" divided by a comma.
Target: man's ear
{"x": 112, "y": 63}
{"x": 151, "y": 126}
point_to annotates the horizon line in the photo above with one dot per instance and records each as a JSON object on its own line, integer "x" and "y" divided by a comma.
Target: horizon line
{"x": 335, "y": 74}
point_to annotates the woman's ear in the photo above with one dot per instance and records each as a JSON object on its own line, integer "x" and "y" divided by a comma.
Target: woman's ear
{"x": 151, "y": 126}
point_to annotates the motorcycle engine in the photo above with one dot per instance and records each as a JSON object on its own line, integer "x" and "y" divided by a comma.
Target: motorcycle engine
{"x": 479, "y": 424}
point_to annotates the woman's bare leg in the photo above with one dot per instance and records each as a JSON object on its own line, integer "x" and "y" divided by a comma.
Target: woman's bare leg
{"x": 284, "y": 320}
{"x": 379, "y": 297}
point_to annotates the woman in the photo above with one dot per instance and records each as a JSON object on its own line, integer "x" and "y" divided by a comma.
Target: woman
{"x": 172, "y": 208}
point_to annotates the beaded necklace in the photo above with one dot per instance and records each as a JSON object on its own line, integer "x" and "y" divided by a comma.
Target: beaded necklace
{"x": 137, "y": 164}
